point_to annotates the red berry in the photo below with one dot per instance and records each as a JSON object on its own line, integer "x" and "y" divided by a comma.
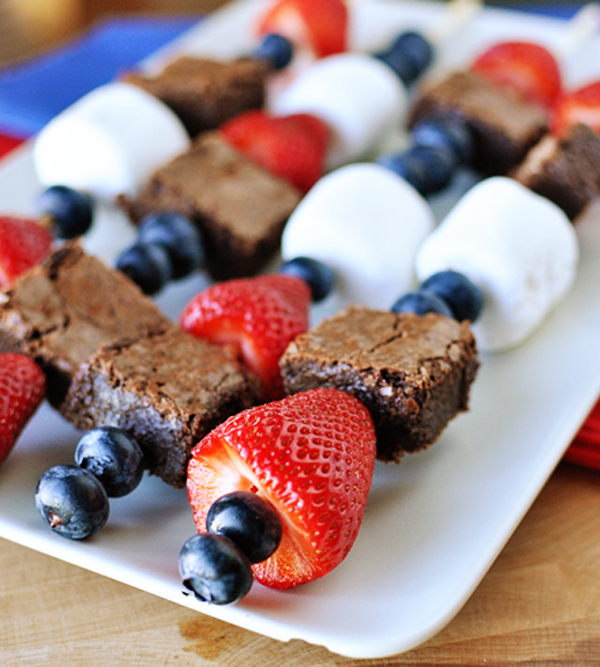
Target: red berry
{"x": 579, "y": 106}
{"x": 23, "y": 244}
{"x": 320, "y": 25}
{"x": 291, "y": 147}
{"x": 258, "y": 317}
{"x": 310, "y": 455}
{"x": 22, "y": 387}
{"x": 529, "y": 69}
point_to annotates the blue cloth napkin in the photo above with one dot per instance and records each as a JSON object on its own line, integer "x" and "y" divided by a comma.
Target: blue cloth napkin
{"x": 32, "y": 93}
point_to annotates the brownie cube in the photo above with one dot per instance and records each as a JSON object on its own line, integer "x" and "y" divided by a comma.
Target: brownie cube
{"x": 168, "y": 390}
{"x": 204, "y": 93}
{"x": 412, "y": 372}
{"x": 62, "y": 311}
{"x": 240, "y": 208}
{"x": 503, "y": 124}
{"x": 565, "y": 170}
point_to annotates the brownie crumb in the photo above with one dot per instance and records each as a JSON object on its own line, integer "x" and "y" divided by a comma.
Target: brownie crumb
{"x": 204, "y": 93}
{"x": 240, "y": 208}
{"x": 412, "y": 372}
{"x": 564, "y": 170}
{"x": 503, "y": 124}
{"x": 168, "y": 390}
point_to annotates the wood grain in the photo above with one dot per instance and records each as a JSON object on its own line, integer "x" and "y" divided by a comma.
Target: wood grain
{"x": 539, "y": 606}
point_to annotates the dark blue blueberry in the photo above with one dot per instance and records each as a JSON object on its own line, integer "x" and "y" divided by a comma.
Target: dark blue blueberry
{"x": 179, "y": 235}
{"x": 275, "y": 49}
{"x": 249, "y": 521}
{"x": 71, "y": 501}
{"x": 70, "y": 211}
{"x": 427, "y": 169}
{"x": 463, "y": 297}
{"x": 113, "y": 457}
{"x": 449, "y": 132}
{"x": 214, "y": 569}
{"x": 318, "y": 276}
{"x": 421, "y": 302}
{"x": 408, "y": 56}
{"x": 148, "y": 265}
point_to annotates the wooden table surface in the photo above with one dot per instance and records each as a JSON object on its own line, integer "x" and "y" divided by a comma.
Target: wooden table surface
{"x": 539, "y": 605}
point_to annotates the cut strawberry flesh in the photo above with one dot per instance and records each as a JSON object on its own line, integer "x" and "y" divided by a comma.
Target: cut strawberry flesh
{"x": 319, "y": 25}
{"x": 311, "y": 456}
{"x": 292, "y": 147}
{"x": 527, "y": 68}
{"x": 255, "y": 317}
{"x": 23, "y": 244}
{"x": 579, "y": 106}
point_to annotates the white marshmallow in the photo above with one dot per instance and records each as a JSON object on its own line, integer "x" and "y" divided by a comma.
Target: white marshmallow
{"x": 519, "y": 248}
{"x": 366, "y": 223}
{"x": 109, "y": 142}
{"x": 357, "y": 95}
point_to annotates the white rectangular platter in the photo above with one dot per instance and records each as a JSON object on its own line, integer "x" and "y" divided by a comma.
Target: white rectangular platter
{"x": 435, "y": 523}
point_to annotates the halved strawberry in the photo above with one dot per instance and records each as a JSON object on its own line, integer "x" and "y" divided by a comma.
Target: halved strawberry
{"x": 292, "y": 147}
{"x": 311, "y": 455}
{"x": 258, "y": 317}
{"x": 23, "y": 244}
{"x": 578, "y": 106}
{"x": 22, "y": 387}
{"x": 320, "y": 25}
{"x": 528, "y": 68}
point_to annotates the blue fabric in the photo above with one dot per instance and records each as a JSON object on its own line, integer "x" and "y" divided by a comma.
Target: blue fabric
{"x": 34, "y": 92}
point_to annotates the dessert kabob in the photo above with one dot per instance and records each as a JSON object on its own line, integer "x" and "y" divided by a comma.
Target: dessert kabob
{"x": 451, "y": 129}
{"x": 217, "y": 449}
{"x": 330, "y": 356}
{"x": 523, "y": 260}
{"x": 78, "y": 373}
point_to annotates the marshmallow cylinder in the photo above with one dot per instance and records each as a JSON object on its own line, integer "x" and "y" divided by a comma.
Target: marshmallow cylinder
{"x": 366, "y": 223}
{"x": 109, "y": 142}
{"x": 357, "y": 95}
{"x": 518, "y": 247}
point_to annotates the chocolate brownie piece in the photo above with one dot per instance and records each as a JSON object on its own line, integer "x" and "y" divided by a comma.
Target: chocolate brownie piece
{"x": 412, "y": 372}
{"x": 62, "y": 311}
{"x": 240, "y": 208}
{"x": 504, "y": 125}
{"x": 205, "y": 93}
{"x": 167, "y": 389}
{"x": 565, "y": 170}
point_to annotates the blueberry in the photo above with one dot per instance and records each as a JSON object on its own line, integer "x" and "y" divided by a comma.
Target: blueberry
{"x": 71, "y": 501}
{"x": 179, "y": 235}
{"x": 113, "y": 457}
{"x": 275, "y": 49}
{"x": 421, "y": 302}
{"x": 426, "y": 168}
{"x": 214, "y": 569}
{"x": 319, "y": 277}
{"x": 148, "y": 265}
{"x": 463, "y": 297}
{"x": 70, "y": 211}
{"x": 249, "y": 521}
{"x": 448, "y": 132}
{"x": 408, "y": 56}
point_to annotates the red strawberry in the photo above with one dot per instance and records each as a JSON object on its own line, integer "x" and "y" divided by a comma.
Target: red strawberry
{"x": 528, "y": 68}
{"x": 22, "y": 387}
{"x": 579, "y": 106}
{"x": 258, "y": 317}
{"x": 23, "y": 244}
{"x": 319, "y": 25}
{"x": 312, "y": 456}
{"x": 291, "y": 147}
